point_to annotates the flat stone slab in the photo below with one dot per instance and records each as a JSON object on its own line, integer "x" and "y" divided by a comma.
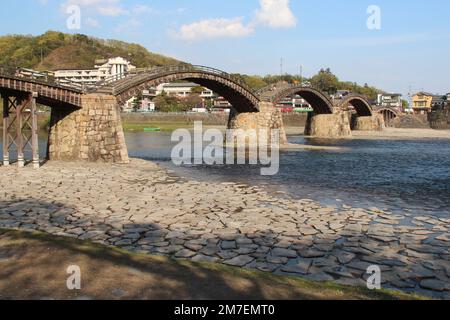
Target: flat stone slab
{"x": 286, "y": 253}
{"x": 203, "y": 258}
{"x": 435, "y": 285}
{"x": 228, "y": 245}
{"x": 310, "y": 253}
{"x": 300, "y": 267}
{"x": 239, "y": 261}
{"x": 342, "y": 272}
{"x": 345, "y": 257}
{"x": 185, "y": 253}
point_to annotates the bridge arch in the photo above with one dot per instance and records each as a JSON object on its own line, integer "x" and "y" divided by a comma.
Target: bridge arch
{"x": 359, "y": 102}
{"x": 235, "y": 91}
{"x": 388, "y": 114}
{"x": 318, "y": 100}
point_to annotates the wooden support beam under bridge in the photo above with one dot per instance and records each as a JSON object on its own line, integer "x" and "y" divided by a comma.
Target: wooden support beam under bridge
{"x": 20, "y": 128}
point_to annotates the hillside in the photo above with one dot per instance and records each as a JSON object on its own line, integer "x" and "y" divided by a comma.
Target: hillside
{"x": 324, "y": 80}
{"x": 56, "y": 50}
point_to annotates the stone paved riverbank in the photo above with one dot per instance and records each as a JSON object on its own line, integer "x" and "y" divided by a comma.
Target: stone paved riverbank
{"x": 143, "y": 208}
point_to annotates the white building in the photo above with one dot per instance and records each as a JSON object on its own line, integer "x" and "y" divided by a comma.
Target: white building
{"x": 340, "y": 94}
{"x": 294, "y": 103}
{"x": 221, "y": 103}
{"x": 33, "y": 74}
{"x": 390, "y": 100}
{"x": 178, "y": 89}
{"x": 182, "y": 90}
{"x": 114, "y": 67}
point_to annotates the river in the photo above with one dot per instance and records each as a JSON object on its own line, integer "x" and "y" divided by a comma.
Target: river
{"x": 398, "y": 175}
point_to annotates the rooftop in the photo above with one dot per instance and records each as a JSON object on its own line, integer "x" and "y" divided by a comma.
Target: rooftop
{"x": 423, "y": 93}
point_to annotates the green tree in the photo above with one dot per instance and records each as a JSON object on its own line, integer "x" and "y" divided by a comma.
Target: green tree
{"x": 190, "y": 102}
{"x": 198, "y": 90}
{"x": 405, "y": 104}
{"x": 325, "y": 81}
{"x": 167, "y": 103}
{"x": 137, "y": 102}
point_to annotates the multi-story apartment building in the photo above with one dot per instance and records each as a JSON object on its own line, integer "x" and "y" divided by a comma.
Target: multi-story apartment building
{"x": 423, "y": 102}
{"x": 104, "y": 69}
{"x": 183, "y": 89}
{"x": 221, "y": 103}
{"x": 390, "y": 100}
{"x": 294, "y": 103}
{"x": 33, "y": 74}
{"x": 177, "y": 89}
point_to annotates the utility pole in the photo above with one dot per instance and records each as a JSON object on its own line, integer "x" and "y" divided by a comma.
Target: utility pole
{"x": 301, "y": 74}
{"x": 281, "y": 67}
{"x": 410, "y": 99}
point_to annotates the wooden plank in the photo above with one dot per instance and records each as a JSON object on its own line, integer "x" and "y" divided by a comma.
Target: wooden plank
{"x": 34, "y": 133}
{"x": 20, "y": 105}
{"x": 5, "y": 130}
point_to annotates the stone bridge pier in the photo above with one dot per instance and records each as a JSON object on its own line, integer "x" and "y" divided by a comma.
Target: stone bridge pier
{"x": 93, "y": 132}
{"x": 328, "y": 126}
{"x": 374, "y": 122}
{"x": 268, "y": 117}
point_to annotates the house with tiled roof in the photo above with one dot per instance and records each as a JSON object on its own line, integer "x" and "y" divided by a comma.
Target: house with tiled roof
{"x": 422, "y": 102}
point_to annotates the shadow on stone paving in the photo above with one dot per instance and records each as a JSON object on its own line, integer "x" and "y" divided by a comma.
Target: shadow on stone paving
{"x": 406, "y": 263}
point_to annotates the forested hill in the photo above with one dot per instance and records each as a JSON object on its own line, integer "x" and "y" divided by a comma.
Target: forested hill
{"x": 56, "y": 50}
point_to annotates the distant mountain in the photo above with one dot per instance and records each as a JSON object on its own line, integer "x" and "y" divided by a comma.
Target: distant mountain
{"x": 56, "y": 50}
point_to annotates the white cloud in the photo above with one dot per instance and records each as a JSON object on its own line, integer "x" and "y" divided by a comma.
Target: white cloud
{"x": 112, "y": 11}
{"x": 272, "y": 13}
{"x": 128, "y": 25}
{"x": 214, "y": 28}
{"x": 275, "y": 14}
{"x": 93, "y": 23}
{"x": 142, "y": 8}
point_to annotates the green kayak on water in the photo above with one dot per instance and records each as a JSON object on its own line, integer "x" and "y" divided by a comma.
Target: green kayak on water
{"x": 152, "y": 129}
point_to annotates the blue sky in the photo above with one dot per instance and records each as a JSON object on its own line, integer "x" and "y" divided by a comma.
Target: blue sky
{"x": 250, "y": 36}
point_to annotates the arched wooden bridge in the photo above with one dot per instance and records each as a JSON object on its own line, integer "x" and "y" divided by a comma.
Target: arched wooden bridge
{"x": 85, "y": 122}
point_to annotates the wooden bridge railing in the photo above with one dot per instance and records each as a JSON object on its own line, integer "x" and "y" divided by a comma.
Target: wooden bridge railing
{"x": 49, "y": 81}
{"x": 119, "y": 80}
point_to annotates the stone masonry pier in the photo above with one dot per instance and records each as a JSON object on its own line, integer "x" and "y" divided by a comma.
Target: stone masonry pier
{"x": 369, "y": 123}
{"x": 336, "y": 125}
{"x": 93, "y": 133}
{"x": 268, "y": 117}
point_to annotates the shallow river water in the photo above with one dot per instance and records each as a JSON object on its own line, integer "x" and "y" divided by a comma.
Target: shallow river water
{"x": 398, "y": 175}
